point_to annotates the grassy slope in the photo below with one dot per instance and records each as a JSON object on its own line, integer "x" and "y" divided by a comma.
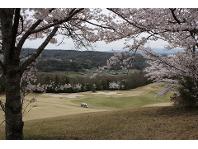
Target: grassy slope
{"x": 141, "y": 123}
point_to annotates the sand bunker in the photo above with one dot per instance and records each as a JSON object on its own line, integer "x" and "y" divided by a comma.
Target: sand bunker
{"x": 107, "y": 93}
{"x": 73, "y": 95}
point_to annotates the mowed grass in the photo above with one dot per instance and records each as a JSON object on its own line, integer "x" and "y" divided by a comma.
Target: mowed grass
{"x": 134, "y": 98}
{"x": 141, "y": 123}
{"x": 53, "y": 105}
{"x": 111, "y": 115}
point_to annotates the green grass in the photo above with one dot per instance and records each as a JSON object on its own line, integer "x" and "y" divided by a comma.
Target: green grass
{"x": 121, "y": 102}
{"x": 141, "y": 123}
{"x": 126, "y": 99}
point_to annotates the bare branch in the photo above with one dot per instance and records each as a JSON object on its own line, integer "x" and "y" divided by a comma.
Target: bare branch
{"x": 25, "y": 108}
{"x": 2, "y": 122}
{"x": 2, "y": 105}
{"x": 39, "y": 50}
{"x": 62, "y": 41}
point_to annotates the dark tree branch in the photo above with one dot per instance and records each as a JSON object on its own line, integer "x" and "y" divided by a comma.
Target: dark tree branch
{"x": 26, "y": 35}
{"x": 28, "y": 32}
{"x": 98, "y": 25}
{"x": 71, "y": 14}
{"x": 124, "y": 18}
{"x": 145, "y": 29}
{"x": 174, "y": 15}
{"x": 16, "y": 22}
{"x": 15, "y": 28}
{"x": 33, "y": 30}
{"x": 33, "y": 57}
{"x": 22, "y": 27}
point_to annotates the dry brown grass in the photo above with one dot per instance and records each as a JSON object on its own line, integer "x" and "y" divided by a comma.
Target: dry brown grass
{"x": 142, "y": 123}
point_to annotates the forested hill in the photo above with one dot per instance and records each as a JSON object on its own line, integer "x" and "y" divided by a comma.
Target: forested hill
{"x": 71, "y": 60}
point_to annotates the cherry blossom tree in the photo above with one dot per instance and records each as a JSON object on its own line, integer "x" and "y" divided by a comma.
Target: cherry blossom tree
{"x": 179, "y": 72}
{"x": 138, "y": 26}
{"x": 176, "y": 26}
{"x": 19, "y": 25}
{"x": 121, "y": 60}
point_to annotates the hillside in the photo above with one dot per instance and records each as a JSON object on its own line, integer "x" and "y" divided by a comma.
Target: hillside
{"x": 69, "y": 60}
{"x": 73, "y": 60}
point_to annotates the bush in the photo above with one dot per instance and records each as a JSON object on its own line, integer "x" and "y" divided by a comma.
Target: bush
{"x": 93, "y": 88}
{"x": 188, "y": 93}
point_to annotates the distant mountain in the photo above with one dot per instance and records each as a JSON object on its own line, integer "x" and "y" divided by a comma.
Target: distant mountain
{"x": 164, "y": 51}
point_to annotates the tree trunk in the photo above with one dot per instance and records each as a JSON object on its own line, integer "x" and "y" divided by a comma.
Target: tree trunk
{"x": 13, "y": 106}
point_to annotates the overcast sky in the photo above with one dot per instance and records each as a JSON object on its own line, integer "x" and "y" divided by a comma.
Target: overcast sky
{"x": 99, "y": 46}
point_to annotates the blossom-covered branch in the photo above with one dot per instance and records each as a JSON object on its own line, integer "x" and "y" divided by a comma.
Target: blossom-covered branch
{"x": 176, "y": 26}
{"x": 72, "y": 13}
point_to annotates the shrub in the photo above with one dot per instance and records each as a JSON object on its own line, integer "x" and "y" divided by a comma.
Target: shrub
{"x": 188, "y": 93}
